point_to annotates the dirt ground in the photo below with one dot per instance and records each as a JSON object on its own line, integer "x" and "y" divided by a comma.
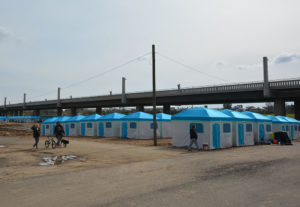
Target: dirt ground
{"x": 122, "y": 172}
{"x": 18, "y": 159}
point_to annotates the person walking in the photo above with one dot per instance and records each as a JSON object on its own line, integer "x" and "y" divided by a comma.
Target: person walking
{"x": 59, "y": 132}
{"x": 36, "y": 134}
{"x": 194, "y": 137}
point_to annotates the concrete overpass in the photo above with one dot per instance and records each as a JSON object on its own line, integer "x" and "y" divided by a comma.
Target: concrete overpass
{"x": 279, "y": 92}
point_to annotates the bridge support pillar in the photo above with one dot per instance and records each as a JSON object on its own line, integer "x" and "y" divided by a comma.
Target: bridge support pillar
{"x": 59, "y": 111}
{"x": 279, "y": 107}
{"x": 167, "y": 109}
{"x": 36, "y": 112}
{"x": 297, "y": 108}
{"x": 73, "y": 111}
{"x": 140, "y": 108}
{"x": 99, "y": 110}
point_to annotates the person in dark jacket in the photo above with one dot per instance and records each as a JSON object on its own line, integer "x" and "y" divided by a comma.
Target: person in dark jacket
{"x": 59, "y": 132}
{"x": 194, "y": 137}
{"x": 36, "y": 134}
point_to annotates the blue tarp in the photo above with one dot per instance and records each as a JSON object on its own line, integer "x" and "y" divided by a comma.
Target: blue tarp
{"x": 93, "y": 117}
{"x": 138, "y": 116}
{"x": 202, "y": 113}
{"x": 257, "y": 117}
{"x": 237, "y": 115}
{"x": 111, "y": 117}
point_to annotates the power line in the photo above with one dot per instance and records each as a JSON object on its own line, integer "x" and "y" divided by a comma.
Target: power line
{"x": 96, "y": 75}
{"x": 190, "y": 67}
{"x": 107, "y": 71}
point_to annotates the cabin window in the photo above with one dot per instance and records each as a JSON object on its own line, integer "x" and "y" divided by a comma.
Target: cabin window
{"x": 199, "y": 127}
{"x": 132, "y": 125}
{"x": 72, "y": 126}
{"x": 151, "y": 126}
{"x": 248, "y": 127}
{"x": 286, "y": 128}
{"x": 47, "y": 126}
{"x": 108, "y": 124}
{"x": 296, "y": 128}
{"x": 226, "y": 128}
{"x": 268, "y": 127}
{"x": 89, "y": 125}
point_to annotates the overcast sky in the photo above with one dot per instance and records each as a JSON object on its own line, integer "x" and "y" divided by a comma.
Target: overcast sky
{"x": 45, "y": 44}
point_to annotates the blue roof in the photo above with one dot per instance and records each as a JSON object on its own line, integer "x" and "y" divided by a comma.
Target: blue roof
{"x": 237, "y": 115}
{"x": 93, "y": 117}
{"x": 202, "y": 113}
{"x": 277, "y": 119}
{"x": 63, "y": 119}
{"x": 163, "y": 117}
{"x": 290, "y": 120}
{"x": 257, "y": 116}
{"x": 138, "y": 116}
{"x": 77, "y": 118}
{"x": 111, "y": 117}
{"x": 50, "y": 120}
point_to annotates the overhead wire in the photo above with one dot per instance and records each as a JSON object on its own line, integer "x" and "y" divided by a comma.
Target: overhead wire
{"x": 190, "y": 67}
{"x": 96, "y": 75}
{"x": 107, "y": 71}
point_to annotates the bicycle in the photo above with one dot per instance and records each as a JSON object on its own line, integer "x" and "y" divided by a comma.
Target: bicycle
{"x": 49, "y": 141}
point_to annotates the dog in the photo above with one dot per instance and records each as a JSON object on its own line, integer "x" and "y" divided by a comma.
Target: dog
{"x": 65, "y": 142}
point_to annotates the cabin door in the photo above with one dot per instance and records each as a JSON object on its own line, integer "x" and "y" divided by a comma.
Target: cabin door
{"x": 261, "y": 132}
{"x": 100, "y": 129}
{"x": 216, "y": 136}
{"x": 67, "y": 130}
{"x": 124, "y": 130}
{"x": 241, "y": 134}
{"x": 82, "y": 129}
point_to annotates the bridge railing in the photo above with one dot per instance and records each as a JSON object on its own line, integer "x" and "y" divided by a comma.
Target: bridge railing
{"x": 278, "y": 84}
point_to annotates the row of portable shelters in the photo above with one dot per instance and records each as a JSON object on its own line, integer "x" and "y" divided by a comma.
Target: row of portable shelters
{"x": 220, "y": 129}
{"x": 23, "y": 119}
{"x": 137, "y": 125}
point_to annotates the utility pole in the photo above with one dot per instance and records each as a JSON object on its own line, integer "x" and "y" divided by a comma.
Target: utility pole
{"x": 154, "y": 96}
{"x": 24, "y": 101}
{"x": 266, "y": 78}
{"x": 4, "y": 102}
{"x": 123, "y": 101}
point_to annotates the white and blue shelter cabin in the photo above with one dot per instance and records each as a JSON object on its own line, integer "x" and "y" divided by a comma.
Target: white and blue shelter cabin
{"x": 242, "y": 128}
{"x": 63, "y": 121}
{"x": 291, "y": 127}
{"x": 278, "y": 123}
{"x": 48, "y": 126}
{"x": 262, "y": 127}
{"x": 73, "y": 125}
{"x": 109, "y": 125}
{"x": 88, "y": 125}
{"x": 164, "y": 125}
{"x": 138, "y": 125}
{"x": 213, "y": 128}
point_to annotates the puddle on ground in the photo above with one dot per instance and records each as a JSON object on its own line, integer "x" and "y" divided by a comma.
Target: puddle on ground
{"x": 2, "y": 146}
{"x": 57, "y": 160}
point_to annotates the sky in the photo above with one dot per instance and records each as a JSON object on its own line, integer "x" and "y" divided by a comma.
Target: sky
{"x": 87, "y": 46}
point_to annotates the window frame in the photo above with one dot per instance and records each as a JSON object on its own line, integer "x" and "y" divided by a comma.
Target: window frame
{"x": 132, "y": 125}
{"x": 226, "y": 131}
{"x": 251, "y": 125}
